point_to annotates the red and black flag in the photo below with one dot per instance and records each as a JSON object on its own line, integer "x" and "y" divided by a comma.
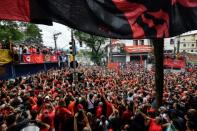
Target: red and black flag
{"x": 109, "y": 18}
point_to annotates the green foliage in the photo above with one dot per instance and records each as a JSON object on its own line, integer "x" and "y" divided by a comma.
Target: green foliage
{"x": 33, "y": 34}
{"x": 9, "y": 31}
{"x": 19, "y": 32}
{"x": 94, "y": 43}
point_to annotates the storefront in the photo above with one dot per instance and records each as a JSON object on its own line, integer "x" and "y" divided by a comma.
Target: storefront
{"x": 138, "y": 53}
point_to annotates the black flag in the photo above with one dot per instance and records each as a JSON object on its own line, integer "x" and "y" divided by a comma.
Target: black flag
{"x": 109, "y": 18}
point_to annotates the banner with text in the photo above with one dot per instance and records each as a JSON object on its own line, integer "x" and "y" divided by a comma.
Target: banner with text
{"x": 171, "y": 63}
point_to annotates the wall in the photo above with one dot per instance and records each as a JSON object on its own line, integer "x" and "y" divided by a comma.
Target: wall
{"x": 11, "y": 71}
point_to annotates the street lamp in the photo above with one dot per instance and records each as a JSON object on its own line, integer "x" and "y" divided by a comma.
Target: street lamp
{"x": 55, "y": 36}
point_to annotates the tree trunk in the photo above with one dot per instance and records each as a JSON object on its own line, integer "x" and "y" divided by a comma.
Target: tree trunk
{"x": 159, "y": 70}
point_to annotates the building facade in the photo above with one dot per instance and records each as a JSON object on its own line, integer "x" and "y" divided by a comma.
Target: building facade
{"x": 138, "y": 50}
{"x": 131, "y": 50}
{"x": 186, "y": 43}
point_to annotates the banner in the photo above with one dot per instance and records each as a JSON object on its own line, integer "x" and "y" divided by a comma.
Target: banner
{"x": 5, "y": 56}
{"x": 114, "y": 66}
{"x": 53, "y": 58}
{"x": 171, "y": 63}
{"x": 33, "y": 58}
{"x": 138, "y": 49}
{"x": 126, "y": 19}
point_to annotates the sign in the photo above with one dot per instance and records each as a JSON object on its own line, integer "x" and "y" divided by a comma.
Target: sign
{"x": 33, "y": 58}
{"x": 138, "y": 49}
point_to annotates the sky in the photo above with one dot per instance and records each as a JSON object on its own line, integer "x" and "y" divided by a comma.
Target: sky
{"x": 64, "y": 39}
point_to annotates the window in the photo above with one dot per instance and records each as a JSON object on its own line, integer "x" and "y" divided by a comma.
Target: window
{"x": 135, "y": 42}
{"x": 141, "y": 42}
{"x": 184, "y": 45}
{"x": 192, "y": 45}
{"x": 171, "y": 42}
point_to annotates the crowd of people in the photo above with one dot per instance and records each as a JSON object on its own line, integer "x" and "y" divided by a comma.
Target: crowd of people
{"x": 101, "y": 100}
{"x": 30, "y": 49}
{"x": 19, "y": 50}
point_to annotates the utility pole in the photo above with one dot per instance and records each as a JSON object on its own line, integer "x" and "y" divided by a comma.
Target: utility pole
{"x": 55, "y": 36}
{"x": 74, "y": 54}
{"x": 178, "y": 44}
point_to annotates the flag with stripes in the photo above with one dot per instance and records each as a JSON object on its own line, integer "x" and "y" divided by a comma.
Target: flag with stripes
{"x": 129, "y": 19}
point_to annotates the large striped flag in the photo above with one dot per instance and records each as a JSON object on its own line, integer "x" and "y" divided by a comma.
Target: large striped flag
{"x": 109, "y": 18}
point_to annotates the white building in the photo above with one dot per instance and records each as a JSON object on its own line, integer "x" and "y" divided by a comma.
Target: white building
{"x": 131, "y": 50}
{"x": 186, "y": 42}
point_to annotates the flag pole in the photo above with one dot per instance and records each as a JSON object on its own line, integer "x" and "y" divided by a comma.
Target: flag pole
{"x": 74, "y": 55}
{"x": 159, "y": 69}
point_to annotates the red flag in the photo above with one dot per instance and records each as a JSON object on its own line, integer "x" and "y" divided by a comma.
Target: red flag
{"x": 171, "y": 63}
{"x": 113, "y": 65}
{"x": 53, "y": 58}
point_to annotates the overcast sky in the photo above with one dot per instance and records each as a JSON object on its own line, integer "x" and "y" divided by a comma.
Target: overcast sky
{"x": 65, "y": 37}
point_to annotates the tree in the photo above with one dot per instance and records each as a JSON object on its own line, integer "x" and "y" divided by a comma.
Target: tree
{"x": 19, "y": 32}
{"x": 33, "y": 34}
{"x": 94, "y": 43}
{"x": 9, "y": 31}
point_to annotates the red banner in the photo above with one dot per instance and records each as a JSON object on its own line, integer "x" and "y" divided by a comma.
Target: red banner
{"x": 53, "y": 58}
{"x": 39, "y": 58}
{"x": 138, "y": 49}
{"x": 171, "y": 63}
{"x": 113, "y": 65}
{"x": 33, "y": 58}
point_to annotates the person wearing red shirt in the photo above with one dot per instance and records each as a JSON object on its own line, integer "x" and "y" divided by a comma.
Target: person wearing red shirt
{"x": 63, "y": 117}
{"x": 155, "y": 124}
{"x": 47, "y": 115}
{"x": 109, "y": 108}
{"x": 99, "y": 110}
{"x": 126, "y": 115}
